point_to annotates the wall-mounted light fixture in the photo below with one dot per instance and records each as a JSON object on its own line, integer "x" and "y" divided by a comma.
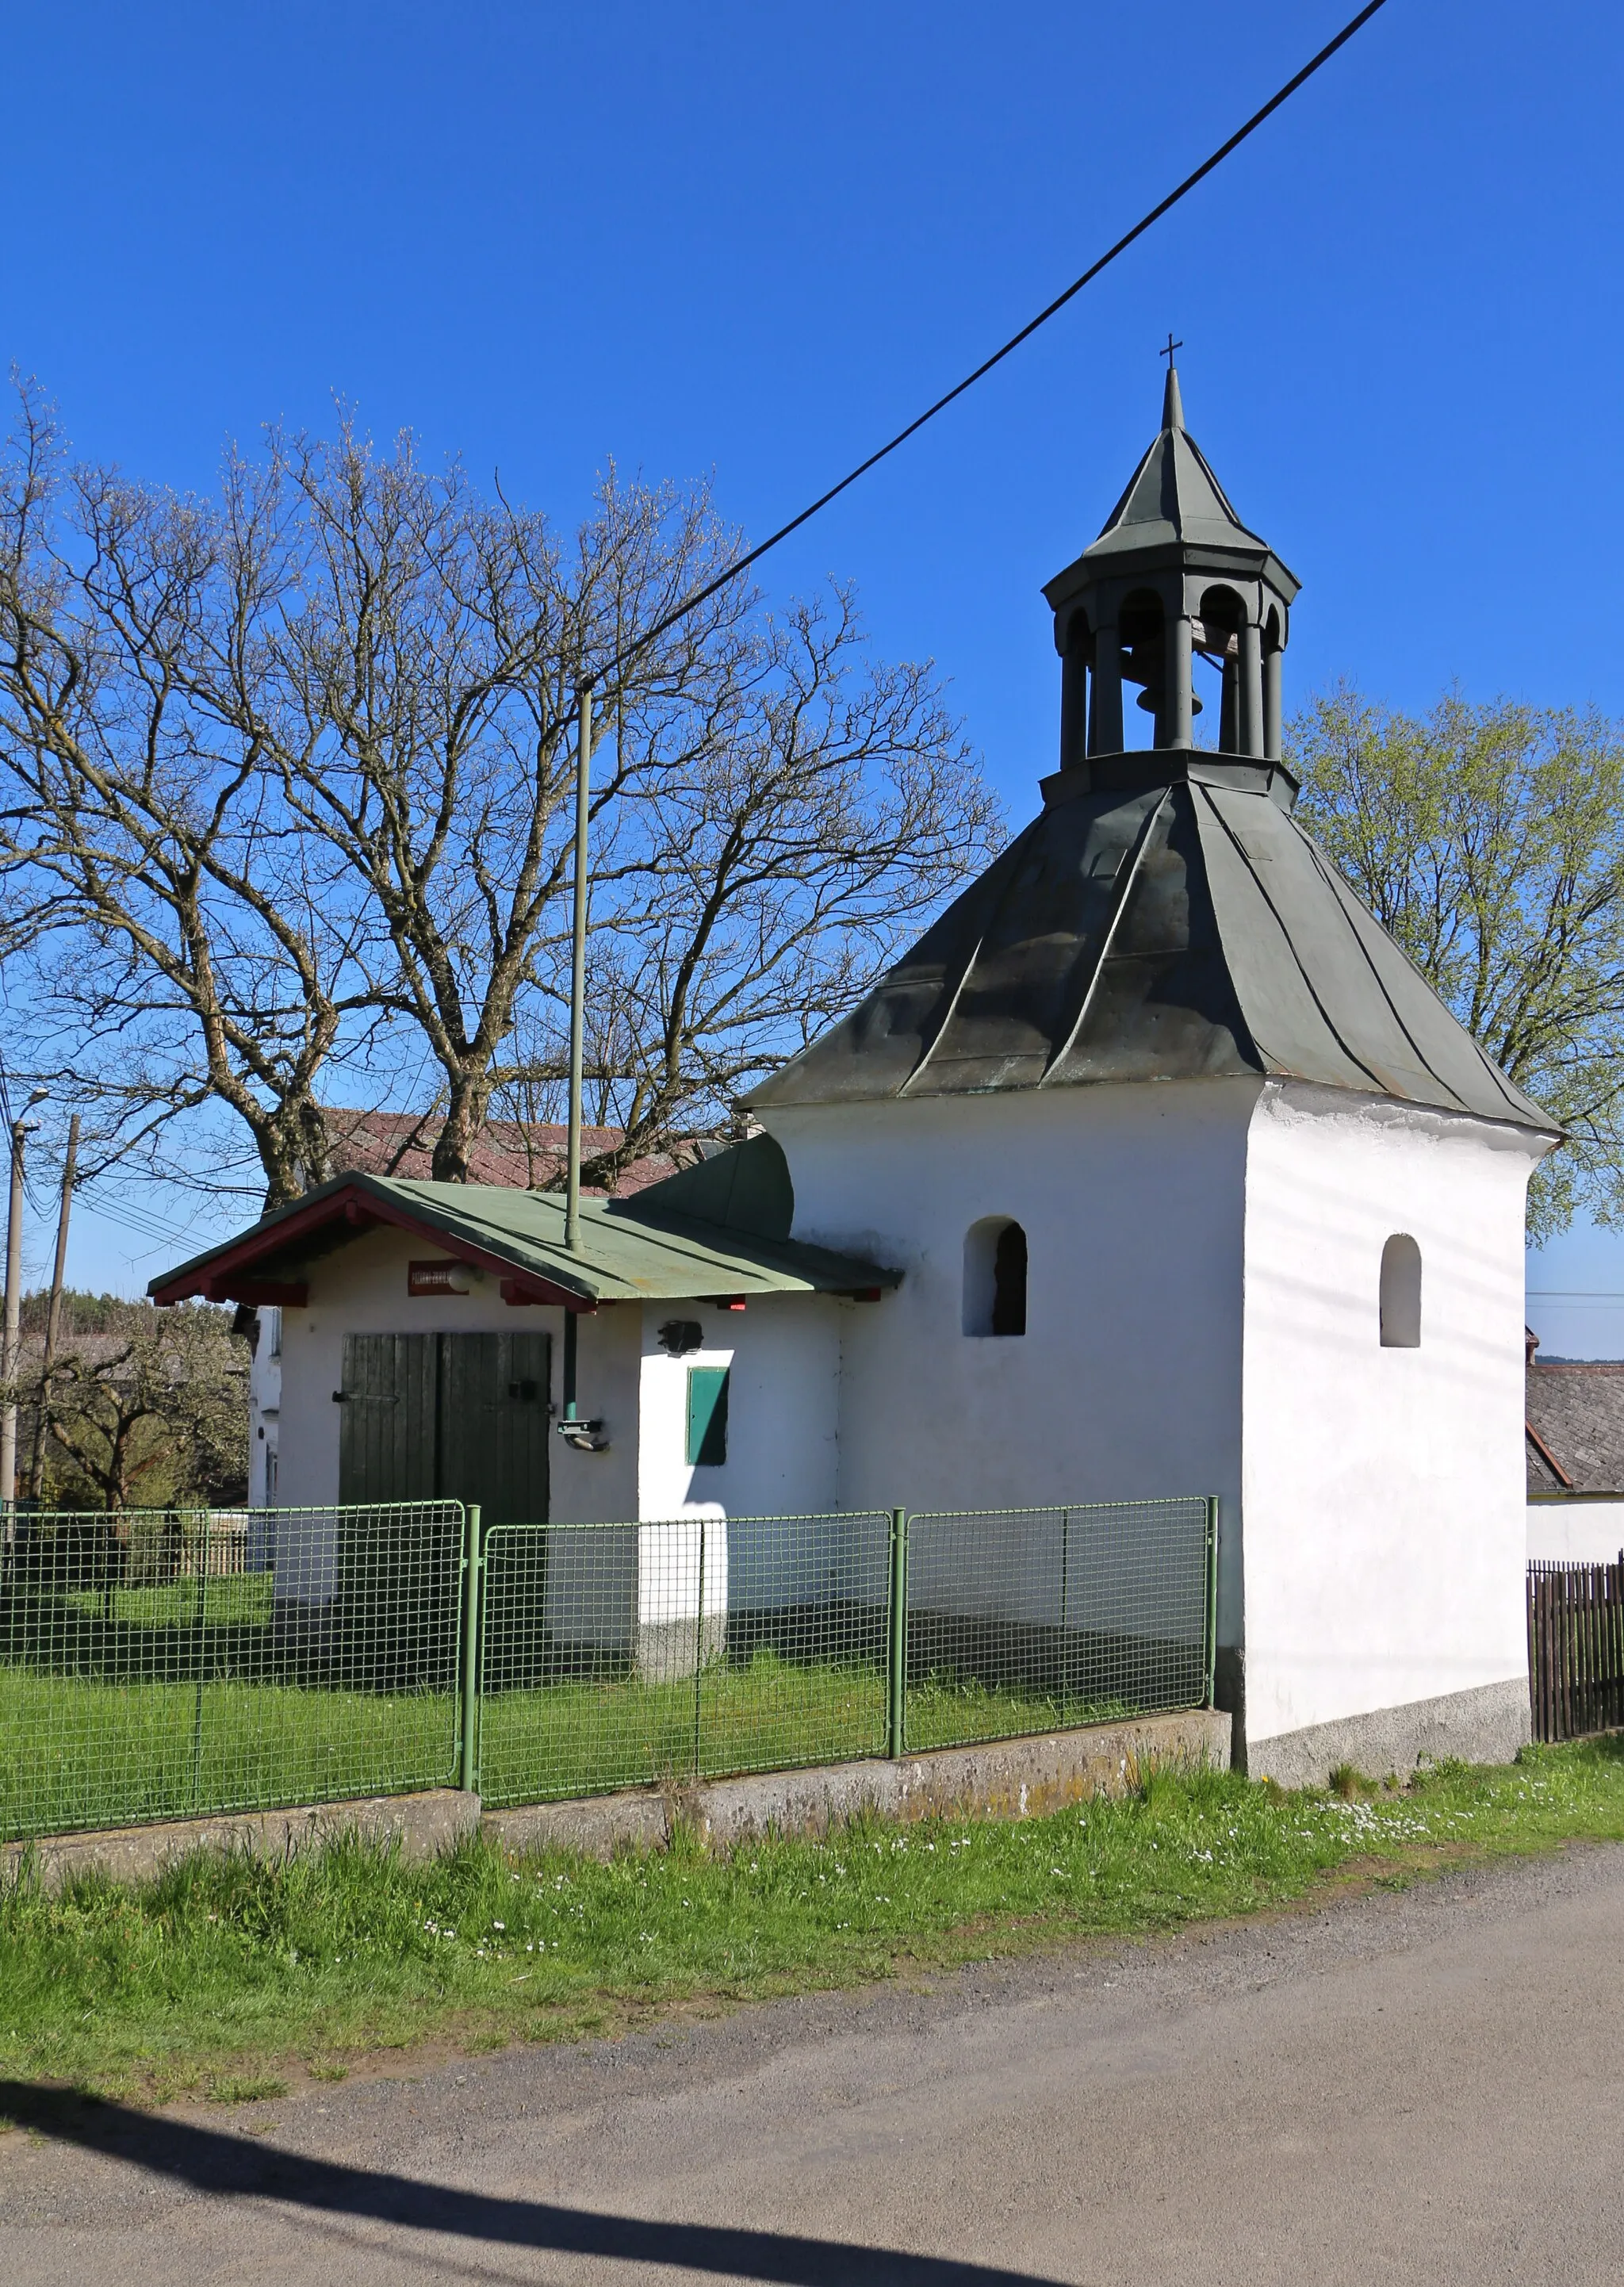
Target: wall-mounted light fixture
{"x": 438, "y": 1278}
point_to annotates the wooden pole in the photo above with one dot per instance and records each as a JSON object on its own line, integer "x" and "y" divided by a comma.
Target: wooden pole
{"x": 53, "y": 1318}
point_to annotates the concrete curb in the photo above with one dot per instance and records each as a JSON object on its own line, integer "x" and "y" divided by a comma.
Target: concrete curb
{"x": 1005, "y": 1778}
{"x": 424, "y": 1825}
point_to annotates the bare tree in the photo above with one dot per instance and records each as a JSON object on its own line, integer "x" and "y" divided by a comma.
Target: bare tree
{"x": 177, "y": 949}
{"x": 785, "y": 857}
{"x": 288, "y": 782}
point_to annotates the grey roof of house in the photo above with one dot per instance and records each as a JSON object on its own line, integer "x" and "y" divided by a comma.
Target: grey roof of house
{"x": 1577, "y": 1410}
{"x": 1164, "y": 917}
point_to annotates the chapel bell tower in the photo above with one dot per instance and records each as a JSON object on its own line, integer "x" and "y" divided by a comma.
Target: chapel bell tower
{"x": 1174, "y": 578}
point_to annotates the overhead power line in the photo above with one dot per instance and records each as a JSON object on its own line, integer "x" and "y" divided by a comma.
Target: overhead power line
{"x": 754, "y": 555}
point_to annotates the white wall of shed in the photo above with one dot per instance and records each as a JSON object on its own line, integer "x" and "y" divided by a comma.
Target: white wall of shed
{"x": 265, "y": 1399}
{"x": 781, "y": 1353}
{"x": 1383, "y": 1489}
{"x": 1569, "y": 1532}
{"x": 360, "y": 1289}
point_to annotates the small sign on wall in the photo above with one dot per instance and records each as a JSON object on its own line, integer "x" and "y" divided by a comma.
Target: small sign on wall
{"x": 443, "y": 1278}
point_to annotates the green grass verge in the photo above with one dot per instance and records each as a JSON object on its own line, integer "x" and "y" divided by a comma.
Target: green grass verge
{"x": 229, "y": 1973}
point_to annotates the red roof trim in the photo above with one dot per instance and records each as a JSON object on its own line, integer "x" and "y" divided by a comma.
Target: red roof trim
{"x": 1547, "y": 1456}
{"x": 229, "y": 1274}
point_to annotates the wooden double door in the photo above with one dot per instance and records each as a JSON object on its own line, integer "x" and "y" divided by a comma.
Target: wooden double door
{"x": 448, "y": 1417}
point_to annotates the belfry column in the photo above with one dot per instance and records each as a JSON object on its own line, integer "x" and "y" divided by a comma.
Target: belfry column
{"x": 1272, "y": 661}
{"x": 1073, "y": 695}
{"x": 1106, "y": 715}
{"x": 1181, "y": 681}
{"x": 1251, "y": 741}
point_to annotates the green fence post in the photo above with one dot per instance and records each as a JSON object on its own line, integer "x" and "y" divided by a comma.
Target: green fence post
{"x": 200, "y": 1558}
{"x": 469, "y": 1775}
{"x": 699, "y": 1663}
{"x": 896, "y": 1648}
{"x": 1212, "y": 1600}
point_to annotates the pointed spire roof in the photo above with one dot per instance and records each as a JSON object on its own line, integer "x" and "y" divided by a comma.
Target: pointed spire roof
{"x": 1173, "y": 498}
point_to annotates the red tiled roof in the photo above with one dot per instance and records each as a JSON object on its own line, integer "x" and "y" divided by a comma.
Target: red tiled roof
{"x": 524, "y": 1155}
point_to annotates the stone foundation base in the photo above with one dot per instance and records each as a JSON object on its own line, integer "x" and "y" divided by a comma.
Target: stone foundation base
{"x": 1485, "y": 1726}
{"x": 1004, "y": 1778}
{"x": 423, "y": 1827}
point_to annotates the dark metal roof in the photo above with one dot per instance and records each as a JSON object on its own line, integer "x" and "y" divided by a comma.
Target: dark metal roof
{"x": 1173, "y": 495}
{"x": 1575, "y": 1410}
{"x": 1163, "y": 918}
{"x": 1173, "y": 509}
{"x": 661, "y": 1245}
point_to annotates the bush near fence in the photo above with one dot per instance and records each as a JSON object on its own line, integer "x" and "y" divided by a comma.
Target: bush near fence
{"x": 160, "y": 1666}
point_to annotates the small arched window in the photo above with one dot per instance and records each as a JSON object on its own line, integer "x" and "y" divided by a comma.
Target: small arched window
{"x": 1401, "y": 1294}
{"x": 995, "y": 1277}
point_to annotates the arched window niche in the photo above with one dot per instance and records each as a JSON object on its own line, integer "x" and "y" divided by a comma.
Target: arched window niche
{"x": 1217, "y": 637}
{"x": 1142, "y": 629}
{"x": 996, "y": 1276}
{"x": 1401, "y": 1294}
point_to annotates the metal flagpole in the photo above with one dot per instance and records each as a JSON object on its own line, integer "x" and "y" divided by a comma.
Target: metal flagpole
{"x": 577, "y": 970}
{"x": 53, "y": 1323}
{"x": 12, "y": 1344}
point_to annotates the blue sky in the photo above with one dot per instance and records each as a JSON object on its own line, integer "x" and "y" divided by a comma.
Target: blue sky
{"x": 752, "y": 241}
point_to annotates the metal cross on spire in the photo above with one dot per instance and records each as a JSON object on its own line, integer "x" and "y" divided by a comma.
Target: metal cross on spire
{"x": 1171, "y": 346}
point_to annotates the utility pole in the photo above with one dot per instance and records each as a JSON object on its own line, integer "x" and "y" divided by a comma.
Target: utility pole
{"x": 53, "y": 1321}
{"x": 577, "y": 970}
{"x": 11, "y": 1345}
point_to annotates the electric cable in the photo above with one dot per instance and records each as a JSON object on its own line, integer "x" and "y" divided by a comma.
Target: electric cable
{"x": 754, "y": 555}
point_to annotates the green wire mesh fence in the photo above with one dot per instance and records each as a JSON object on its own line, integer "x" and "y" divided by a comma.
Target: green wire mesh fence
{"x": 161, "y": 1665}
{"x": 623, "y": 1655}
{"x": 1036, "y": 1619}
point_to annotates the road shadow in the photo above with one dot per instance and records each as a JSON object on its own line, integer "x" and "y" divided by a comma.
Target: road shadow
{"x": 212, "y": 2160}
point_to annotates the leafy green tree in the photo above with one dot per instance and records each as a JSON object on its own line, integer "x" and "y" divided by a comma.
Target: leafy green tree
{"x": 1490, "y": 840}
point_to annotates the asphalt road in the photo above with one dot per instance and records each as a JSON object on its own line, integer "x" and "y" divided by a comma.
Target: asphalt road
{"x": 1425, "y": 2086}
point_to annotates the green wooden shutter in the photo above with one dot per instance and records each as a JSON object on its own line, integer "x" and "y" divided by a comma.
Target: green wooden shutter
{"x": 706, "y": 1416}
{"x": 387, "y": 1431}
{"x": 493, "y": 1424}
{"x": 446, "y": 1417}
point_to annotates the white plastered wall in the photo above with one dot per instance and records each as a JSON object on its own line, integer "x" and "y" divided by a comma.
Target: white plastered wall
{"x": 1382, "y": 1488}
{"x": 1127, "y": 1383}
{"x": 265, "y": 1399}
{"x": 782, "y": 1357}
{"x": 1576, "y": 1528}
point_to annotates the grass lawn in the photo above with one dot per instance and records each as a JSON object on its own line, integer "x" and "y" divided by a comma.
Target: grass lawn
{"x": 78, "y": 1751}
{"x": 232, "y": 1975}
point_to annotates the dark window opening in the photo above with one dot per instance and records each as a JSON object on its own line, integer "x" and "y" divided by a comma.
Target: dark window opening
{"x": 1400, "y": 1294}
{"x": 1010, "y": 1281}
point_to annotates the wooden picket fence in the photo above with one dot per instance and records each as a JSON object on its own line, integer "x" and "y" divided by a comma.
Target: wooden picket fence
{"x": 1576, "y": 1647}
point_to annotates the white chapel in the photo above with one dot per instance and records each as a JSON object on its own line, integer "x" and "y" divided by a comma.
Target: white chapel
{"x": 1154, "y": 1169}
